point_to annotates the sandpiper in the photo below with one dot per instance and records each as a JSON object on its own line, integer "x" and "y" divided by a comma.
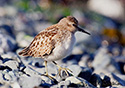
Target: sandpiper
{"x": 55, "y": 42}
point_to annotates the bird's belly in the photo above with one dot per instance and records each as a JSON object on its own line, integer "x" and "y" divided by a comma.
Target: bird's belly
{"x": 62, "y": 50}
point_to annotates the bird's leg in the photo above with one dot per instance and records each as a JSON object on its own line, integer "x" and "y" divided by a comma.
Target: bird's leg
{"x": 61, "y": 68}
{"x": 46, "y": 68}
{"x": 46, "y": 74}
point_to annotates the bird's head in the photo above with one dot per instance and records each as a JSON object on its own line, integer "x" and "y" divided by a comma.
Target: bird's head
{"x": 71, "y": 23}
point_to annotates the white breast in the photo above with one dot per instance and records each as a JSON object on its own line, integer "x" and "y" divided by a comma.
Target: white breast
{"x": 63, "y": 49}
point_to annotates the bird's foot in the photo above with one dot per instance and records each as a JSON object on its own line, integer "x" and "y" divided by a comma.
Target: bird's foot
{"x": 66, "y": 70}
{"x": 50, "y": 77}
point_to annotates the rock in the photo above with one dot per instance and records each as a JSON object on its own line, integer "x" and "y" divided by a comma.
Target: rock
{"x": 29, "y": 82}
{"x": 11, "y": 11}
{"x": 29, "y": 71}
{"x": 1, "y": 62}
{"x": 37, "y": 62}
{"x": 76, "y": 69}
{"x": 3, "y": 67}
{"x": 85, "y": 73}
{"x": 102, "y": 59}
{"x": 84, "y": 61}
{"x": 77, "y": 50}
{"x": 23, "y": 40}
{"x": 106, "y": 81}
{"x": 96, "y": 80}
{"x": 7, "y": 77}
{"x": 15, "y": 85}
{"x": 14, "y": 74}
{"x": 82, "y": 72}
{"x": 11, "y": 55}
{"x": 118, "y": 79}
{"x": 64, "y": 84}
{"x": 1, "y": 78}
{"x": 7, "y": 30}
{"x": 5, "y": 86}
{"x": 12, "y": 64}
{"x": 7, "y": 43}
{"x": 54, "y": 86}
{"x": 39, "y": 70}
{"x": 79, "y": 82}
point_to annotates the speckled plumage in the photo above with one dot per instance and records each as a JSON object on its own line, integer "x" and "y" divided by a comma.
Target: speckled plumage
{"x": 45, "y": 44}
{"x": 54, "y": 43}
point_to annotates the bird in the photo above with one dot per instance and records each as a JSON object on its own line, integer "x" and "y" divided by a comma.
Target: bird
{"x": 54, "y": 43}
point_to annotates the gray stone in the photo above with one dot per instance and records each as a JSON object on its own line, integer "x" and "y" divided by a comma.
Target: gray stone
{"x": 85, "y": 73}
{"x": 102, "y": 59}
{"x": 14, "y": 74}
{"x": 29, "y": 82}
{"x": 12, "y": 64}
{"x": 118, "y": 79}
{"x": 52, "y": 69}
{"x": 1, "y": 78}
{"x": 49, "y": 81}
{"x": 39, "y": 70}
{"x": 7, "y": 43}
{"x": 11, "y": 55}
{"x": 76, "y": 69}
{"x": 23, "y": 40}
{"x": 106, "y": 81}
{"x": 15, "y": 85}
{"x": 7, "y": 77}
{"x": 28, "y": 70}
{"x": 1, "y": 62}
{"x": 64, "y": 84}
{"x": 84, "y": 61}
{"x": 6, "y": 85}
{"x": 79, "y": 81}
{"x": 82, "y": 72}
{"x": 77, "y": 50}
{"x": 96, "y": 80}
{"x": 54, "y": 86}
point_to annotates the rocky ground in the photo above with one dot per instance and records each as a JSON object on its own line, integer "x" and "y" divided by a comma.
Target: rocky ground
{"x": 94, "y": 62}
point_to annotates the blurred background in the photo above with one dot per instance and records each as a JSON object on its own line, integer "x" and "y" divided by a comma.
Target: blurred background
{"x": 103, "y": 50}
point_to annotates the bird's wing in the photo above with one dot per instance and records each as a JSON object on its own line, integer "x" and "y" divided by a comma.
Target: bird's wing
{"x": 42, "y": 45}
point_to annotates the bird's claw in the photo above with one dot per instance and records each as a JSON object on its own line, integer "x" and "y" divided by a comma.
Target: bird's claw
{"x": 65, "y": 70}
{"x": 50, "y": 77}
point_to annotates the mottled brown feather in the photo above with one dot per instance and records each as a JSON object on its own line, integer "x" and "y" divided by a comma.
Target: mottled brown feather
{"x": 42, "y": 44}
{"x": 47, "y": 40}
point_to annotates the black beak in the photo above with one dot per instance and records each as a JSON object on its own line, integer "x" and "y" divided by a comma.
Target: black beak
{"x": 80, "y": 29}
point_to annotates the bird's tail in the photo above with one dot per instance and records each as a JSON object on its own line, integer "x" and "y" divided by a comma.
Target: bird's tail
{"x": 24, "y": 52}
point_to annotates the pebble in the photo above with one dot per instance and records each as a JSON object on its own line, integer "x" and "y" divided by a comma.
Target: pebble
{"x": 84, "y": 61}
{"x": 29, "y": 82}
{"x": 118, "y": 79}
{"x": 96, "y": 80}
{"x": 76, "y": 69}
{"x": 11, "y": 55}
{"x": 7, "y": 43}
{"x": 85, "y": 73}
{"x": 79, "y": 81}
{"x": 102, "y": 59}
{"x": 23, "y": 40}
{"x": 12, "y": 64}
{"x": 1, "y": 78}
{"x": 7, "y": 77}
{"x": 64, "y": 84}
{"x": 30, "y": 71}
{"x": 15, "y": 85}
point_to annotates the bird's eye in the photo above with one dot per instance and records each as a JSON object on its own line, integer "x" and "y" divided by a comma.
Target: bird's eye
{"x": 74, "y": 25}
